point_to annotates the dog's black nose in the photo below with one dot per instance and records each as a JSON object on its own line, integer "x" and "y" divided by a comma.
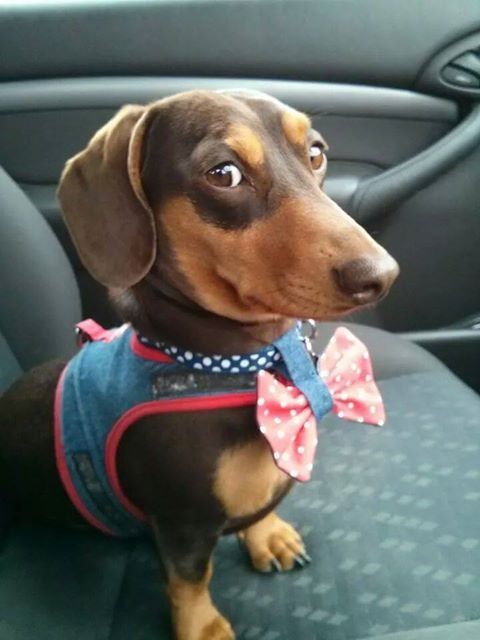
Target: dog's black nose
{"x": 366, "y": 280}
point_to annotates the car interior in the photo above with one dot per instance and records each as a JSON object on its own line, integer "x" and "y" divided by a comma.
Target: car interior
{"x": 392, "y": 515}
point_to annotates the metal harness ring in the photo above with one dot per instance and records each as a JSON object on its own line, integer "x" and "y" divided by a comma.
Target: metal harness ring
{"x": 307, "y": 339}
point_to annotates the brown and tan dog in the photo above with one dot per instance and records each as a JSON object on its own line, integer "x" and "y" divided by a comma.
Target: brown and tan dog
{"x": 204, "y": 215}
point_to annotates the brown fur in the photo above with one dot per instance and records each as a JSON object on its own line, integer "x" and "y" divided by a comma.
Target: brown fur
{"x": 103, "y": 202}
{"x": 226, "y": 268}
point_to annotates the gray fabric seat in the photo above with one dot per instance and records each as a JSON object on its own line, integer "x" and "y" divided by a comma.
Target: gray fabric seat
{"x": 39, "y": 298}
{"x": 391, "y": 518}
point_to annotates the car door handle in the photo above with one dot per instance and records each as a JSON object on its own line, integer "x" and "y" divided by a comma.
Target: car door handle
{"x": 377, "y": 195}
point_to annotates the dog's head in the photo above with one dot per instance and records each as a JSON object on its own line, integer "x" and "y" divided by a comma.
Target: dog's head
{"x": 220, "y": 195}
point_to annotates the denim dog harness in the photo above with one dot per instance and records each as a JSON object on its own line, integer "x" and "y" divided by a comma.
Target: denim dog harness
{"x": 118, "y": 378}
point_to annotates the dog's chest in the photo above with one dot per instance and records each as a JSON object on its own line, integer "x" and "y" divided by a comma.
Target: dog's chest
{"x": 247, "y": 479}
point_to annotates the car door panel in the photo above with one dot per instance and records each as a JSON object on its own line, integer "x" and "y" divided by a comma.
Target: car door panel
{"x": 377, "y": 42}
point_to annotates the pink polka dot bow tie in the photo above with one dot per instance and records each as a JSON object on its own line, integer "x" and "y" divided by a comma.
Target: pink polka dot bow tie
{"x": 286, "y": 419}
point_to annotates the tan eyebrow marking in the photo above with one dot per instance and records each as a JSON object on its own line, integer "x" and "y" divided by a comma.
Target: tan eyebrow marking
{"x": 246, "y": 144}
{"x": 295, "y": 126}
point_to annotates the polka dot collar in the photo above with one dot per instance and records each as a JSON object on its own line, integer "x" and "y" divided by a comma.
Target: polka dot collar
{"x": 267, "y": 358}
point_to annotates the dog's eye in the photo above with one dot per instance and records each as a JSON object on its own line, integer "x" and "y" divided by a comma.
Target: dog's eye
{"x": 225, "y": 175}
{"x": 317, "y": 155}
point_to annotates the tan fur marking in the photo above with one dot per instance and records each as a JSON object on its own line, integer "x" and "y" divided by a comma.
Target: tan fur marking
{"x": 295, "y": 125}
{"x": 264, "y": 272}
{"x": 247, "y": 479}
{"x": 200, "y": 248}
{"x": 246, "y": 144}
{"x": 218, "y": 629}
{"x": 194, "y": 615}
{"x": 179, "y": 589}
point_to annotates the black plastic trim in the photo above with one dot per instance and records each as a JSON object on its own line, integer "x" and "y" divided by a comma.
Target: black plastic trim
{"x": 431, "y": 79}
{"x": 380, "y": 194}
{"x": 459, "y": 349}
{"x": 339, "y": 99}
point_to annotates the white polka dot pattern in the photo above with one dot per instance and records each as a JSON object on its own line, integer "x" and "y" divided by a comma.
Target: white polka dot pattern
{"x": 286, "y": 424}
{"x": 249, "y": 362}
{"x": 349, "y": 379}
{"x": 284, "y": 415}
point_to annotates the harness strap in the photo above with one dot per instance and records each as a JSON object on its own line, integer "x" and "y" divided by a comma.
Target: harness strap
{"x": 302, "y": 372}
{"x": 90, "y": 331}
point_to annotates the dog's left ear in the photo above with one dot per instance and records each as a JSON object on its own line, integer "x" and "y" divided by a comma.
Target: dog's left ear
{"x": 104, "y": 204}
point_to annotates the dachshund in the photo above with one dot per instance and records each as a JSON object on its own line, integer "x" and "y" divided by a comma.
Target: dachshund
{"x": 204, "y": 215}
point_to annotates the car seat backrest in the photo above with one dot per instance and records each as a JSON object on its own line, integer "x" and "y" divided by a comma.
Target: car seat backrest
{"x": 39, "y": 297}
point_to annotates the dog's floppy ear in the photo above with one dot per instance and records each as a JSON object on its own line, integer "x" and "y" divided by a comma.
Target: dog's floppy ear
{"x": 104, "y": 205}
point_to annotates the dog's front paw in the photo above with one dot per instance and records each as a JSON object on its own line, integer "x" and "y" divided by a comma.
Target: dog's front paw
{"x": 218, "y": 629}
{"x": 273, "y": 544}
{"x": 201, "y": 621}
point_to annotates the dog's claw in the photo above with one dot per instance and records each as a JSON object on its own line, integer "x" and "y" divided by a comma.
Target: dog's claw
{"x": 276, "y": 565}
{"x": 300, "y": 561}
{"x": 304, "y": 555}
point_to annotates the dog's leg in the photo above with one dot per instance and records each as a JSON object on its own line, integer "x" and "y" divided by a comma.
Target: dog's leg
{"x": 272, "y": 543}
{"x": 186, "y": 557}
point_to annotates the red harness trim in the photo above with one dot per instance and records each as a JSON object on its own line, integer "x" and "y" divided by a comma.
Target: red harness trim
{"x": 62, "y": 466}
{"x": 203, "y": 403}
{"x": 243, "y": 399}
{"x": 148, "y": 353}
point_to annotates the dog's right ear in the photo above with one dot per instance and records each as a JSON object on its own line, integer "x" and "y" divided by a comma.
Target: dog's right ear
{"x": 104, "y": 205}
